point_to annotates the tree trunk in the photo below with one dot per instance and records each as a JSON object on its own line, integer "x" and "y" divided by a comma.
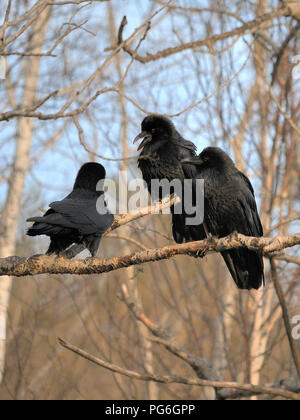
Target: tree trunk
{"x": 25, "y": 130}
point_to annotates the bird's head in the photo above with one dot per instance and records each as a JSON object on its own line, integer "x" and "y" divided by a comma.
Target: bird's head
{"x": 155, "y": 128}
{"x": 211, "y": 157}
{"x": 89, "y": 175}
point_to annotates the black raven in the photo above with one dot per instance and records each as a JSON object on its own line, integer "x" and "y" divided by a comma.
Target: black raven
{"x": 81, "y": 217}
{"x": 162, "y": 150}
{"x": 230, "y": 207}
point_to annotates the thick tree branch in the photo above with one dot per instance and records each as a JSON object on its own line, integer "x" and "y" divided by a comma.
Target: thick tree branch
{"x": 19, "y": 266}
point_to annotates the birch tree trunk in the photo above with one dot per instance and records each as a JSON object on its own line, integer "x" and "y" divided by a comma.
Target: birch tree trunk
{"x": 152, "y": 390}
{"x": 262, "y": 303}
{"x": 25, "y": 131}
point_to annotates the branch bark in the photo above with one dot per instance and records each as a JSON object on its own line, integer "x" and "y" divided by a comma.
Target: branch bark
{"x": 20, "y": 266}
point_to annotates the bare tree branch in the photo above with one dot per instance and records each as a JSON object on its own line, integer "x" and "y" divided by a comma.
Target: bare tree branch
{"x": 286, "y": 318}
{"x": 247, "y": 28}
{"x": 178, "y": 379}
{"x": 20, "y": 266}
{"x": 202, "y": 367}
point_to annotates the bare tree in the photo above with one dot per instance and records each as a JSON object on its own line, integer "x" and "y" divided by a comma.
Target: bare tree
{"x": 21, "y": 164}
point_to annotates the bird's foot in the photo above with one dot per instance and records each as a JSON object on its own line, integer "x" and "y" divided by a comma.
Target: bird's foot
{"x": 200, "y": 253}
{"x": 234, "y": 235}
{"x": 64, "y": 254}
{"x": 34, "y": 257}
{"x": 92, "y": 255}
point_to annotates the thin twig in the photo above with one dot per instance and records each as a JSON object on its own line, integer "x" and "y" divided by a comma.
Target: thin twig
{"x": 285, "y": 314}
{"x": 177, "y": 379}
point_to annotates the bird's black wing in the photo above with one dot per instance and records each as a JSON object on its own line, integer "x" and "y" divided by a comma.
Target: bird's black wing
{"x": 191, "y": 172}
{"x": 245, "y": 266}
{"x": 184, "y": 144}
{"x": 247, "y": 182}
{"x": 185, "y": 149}
{"x": 51, "y": 223}
{"x": 181, "y": 231}
{"x": 248, "y": 203}
{"x": 82, "y": 215}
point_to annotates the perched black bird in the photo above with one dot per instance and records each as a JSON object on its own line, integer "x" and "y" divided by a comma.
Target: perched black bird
{"x": 230, "y": 207}
{"x": 162, "y": 151}
{"x": 81, "y": 217}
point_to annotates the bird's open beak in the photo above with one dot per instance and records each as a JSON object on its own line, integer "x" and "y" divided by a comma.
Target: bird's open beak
{"x": 143, "y": 135}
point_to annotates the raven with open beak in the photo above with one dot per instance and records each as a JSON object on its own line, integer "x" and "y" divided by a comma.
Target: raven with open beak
{"x": 143, "y": 135}
{"x": 162, "y": 150}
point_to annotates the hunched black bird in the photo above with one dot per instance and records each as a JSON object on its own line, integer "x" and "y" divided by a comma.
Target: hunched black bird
{"x": 162, "y": 151}
{"x": 82, "y": 217}
{"x": 230, "y": 207}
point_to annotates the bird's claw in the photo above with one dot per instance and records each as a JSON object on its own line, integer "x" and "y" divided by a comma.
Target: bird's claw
{"x": 34, "y": 257}
{"x": 234, "y": 235}
{"x": 200, "y": 253}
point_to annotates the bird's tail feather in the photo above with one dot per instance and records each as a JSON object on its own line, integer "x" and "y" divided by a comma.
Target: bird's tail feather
{"x": 59, "y": 244}
{"x": 41, "y": 228}
{"x": 246, "y": 268}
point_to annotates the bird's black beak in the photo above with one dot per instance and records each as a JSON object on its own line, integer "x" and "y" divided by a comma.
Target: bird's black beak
{"x": 195, "y": 160}
{"x": 143, "y": 135}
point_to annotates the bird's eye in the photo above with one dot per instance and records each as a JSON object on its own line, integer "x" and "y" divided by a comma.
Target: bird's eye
{"x": 153, "y": 130}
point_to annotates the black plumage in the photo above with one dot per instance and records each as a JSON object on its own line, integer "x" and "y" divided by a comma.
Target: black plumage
{"x": 81, "y": 217}
{"x": 162, "y": 151}
{"x": 230, "y": 207}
